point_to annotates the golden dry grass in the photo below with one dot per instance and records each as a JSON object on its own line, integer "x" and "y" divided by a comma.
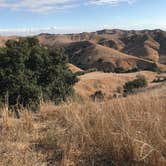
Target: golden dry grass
{"x": 74, "y": 68}
{"x": 108, "y": 83}
{"x": 122, "y": 132}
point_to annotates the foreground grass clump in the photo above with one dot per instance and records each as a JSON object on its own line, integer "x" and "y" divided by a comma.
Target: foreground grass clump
{"x": 15, "y": 137}
{"x": 30, "y": 72}
{"x": 121, "y": 132}
{"x": 124, "y": 132}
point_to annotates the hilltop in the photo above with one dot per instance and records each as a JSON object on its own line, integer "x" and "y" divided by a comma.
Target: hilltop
{"x": 114, "y": 49}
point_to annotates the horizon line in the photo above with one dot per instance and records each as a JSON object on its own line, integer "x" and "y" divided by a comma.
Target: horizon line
{"x": 52, "y": 31}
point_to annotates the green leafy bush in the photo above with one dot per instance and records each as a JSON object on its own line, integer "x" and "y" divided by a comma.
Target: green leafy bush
{"x": 79, "y": 73}
{"x": 131, "y": 86}
{"x": 29, "y": 72}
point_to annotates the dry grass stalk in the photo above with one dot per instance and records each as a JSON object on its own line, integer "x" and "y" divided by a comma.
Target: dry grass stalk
{"x": 124, "y": 131}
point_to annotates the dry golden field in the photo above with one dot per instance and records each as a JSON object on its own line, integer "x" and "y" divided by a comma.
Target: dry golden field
{"x": 108, "y": 83}
{"x": 127, "y": 131}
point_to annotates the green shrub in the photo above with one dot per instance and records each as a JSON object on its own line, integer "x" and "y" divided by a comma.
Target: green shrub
{"x": 131, "y": 86}
{"x": 91, "y": 70}
{"x": 122, "y": 70}
{"x": 79, "y": 73}
{"x": 98, "y": 95}
{"x": 29, "y": 72}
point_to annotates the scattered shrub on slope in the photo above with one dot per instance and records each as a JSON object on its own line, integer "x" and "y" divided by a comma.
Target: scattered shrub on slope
{"x": 79, "y": 73}
{"x": 131, "y": 86}
{"x": 97, "y": 96}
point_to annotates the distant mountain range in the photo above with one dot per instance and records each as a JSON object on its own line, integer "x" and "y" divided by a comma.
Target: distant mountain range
{"x": 111, "y": 50}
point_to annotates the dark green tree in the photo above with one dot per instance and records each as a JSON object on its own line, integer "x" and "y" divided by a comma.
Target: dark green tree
{"x": 29, "y": 72}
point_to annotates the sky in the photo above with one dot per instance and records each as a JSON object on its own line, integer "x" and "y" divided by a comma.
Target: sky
{"x": 28, "y": 17}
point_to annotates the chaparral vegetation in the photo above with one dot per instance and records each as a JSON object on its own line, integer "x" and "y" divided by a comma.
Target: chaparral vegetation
{"x": 30, "y": 72}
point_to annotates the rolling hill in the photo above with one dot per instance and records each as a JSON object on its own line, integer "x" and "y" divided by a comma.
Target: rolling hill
{"x": 114, "y": 49}
{"x": 110, "y": 50}
{"x": 147, "y": 44}
{"x": 87, "y": 54}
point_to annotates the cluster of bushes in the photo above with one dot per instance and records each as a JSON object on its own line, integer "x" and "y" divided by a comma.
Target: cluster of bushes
{"x": 30, "y": 72}
{"x": 122, "y": 70}
{"x": 79, "y": 73}
{"x": 132, "y": 86}
{"x": 159, "y": 79}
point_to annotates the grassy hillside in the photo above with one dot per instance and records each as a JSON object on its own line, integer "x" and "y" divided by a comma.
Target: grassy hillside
{"x": 111, "y": 84}
{"x": 146, "y": 44}
{"x": 87, "y": 54}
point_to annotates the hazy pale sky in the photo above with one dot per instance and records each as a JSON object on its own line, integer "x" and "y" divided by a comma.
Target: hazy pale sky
{"x": 22, "y": 17}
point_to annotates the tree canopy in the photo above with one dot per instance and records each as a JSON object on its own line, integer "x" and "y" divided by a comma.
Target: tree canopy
{"x": 29, "y": 72}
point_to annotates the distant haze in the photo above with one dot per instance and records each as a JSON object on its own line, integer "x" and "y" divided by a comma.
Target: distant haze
{"x": 67, "y": 30}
